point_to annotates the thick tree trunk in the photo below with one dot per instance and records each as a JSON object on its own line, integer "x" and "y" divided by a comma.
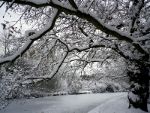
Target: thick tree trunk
{"x": 139, "y": 89}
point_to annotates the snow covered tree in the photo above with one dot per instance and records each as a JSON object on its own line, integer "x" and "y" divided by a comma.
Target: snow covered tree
{"x": 84, "y": 26}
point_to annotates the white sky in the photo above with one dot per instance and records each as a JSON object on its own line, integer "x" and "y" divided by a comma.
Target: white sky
{"x": 4, "y": 17}
{"x": 2, "y": 10}
{"x": 8, "y": 17}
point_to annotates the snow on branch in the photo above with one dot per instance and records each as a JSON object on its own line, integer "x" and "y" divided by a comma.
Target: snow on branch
{"x": 55, "y": 70}
{"x": 36, "y": 35}
{"x": 73, "y": 4}
{"x": 135, "y": 12}
{"x": 82, "y": 13}
{"x": 88, "y": 60}
{"x": 80, "y": 49}
{"x": 110, "y": 30}
{"x": 68, "y": 50}
{"x": 44, "y": 3}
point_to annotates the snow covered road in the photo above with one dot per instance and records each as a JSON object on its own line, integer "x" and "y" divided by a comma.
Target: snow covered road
{"x": 62, "y": 104}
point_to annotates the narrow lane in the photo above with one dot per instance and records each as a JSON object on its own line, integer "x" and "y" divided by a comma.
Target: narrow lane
{"x": 61, "y": 104}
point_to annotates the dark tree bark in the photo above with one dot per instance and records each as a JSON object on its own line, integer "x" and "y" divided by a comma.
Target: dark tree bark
{"x": 139, "y": 89}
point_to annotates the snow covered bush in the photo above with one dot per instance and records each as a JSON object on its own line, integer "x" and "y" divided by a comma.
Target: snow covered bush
{"x": 12, "y": 77}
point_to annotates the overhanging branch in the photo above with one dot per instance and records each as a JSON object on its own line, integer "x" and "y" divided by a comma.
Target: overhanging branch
{"x": 31, "y": 39}
{"x": 87, "y": 16}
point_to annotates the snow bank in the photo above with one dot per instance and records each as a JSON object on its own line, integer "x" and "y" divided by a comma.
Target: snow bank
{"x": 117, "y": 106}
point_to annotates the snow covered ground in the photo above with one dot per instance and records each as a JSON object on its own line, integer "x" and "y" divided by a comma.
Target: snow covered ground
{"x": 85, "y": 103}
{"x": 116, "y": 106}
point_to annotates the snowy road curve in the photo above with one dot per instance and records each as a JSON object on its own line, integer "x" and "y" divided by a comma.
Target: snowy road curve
{"x": 61, "y": 104}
